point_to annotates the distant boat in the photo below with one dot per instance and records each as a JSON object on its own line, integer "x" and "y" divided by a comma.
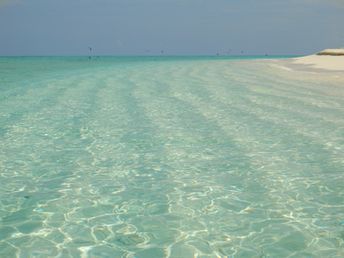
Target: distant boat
{"x": 90, "y": 49}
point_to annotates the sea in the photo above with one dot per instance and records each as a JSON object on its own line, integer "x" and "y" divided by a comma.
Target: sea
{"x": 178, "y": 157}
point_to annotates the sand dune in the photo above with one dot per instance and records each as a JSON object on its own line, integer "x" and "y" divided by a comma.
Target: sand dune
{"x": 332, "y": 52}
{"x": 329, "y": 59}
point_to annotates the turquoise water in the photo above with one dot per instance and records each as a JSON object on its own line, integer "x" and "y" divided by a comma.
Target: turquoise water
{"x": 169, "y": 157}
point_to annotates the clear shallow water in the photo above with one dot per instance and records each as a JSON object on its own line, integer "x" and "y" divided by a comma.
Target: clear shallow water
{"x": 169, "y": 157}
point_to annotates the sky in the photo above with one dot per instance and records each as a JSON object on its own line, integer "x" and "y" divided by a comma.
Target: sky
{"x": 176, "y": 27}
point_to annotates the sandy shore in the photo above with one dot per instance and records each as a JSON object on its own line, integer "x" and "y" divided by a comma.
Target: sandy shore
{"x": 325, "y": 62}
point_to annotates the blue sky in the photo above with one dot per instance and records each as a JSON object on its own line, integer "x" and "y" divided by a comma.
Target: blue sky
{"x": 179, "y": 27}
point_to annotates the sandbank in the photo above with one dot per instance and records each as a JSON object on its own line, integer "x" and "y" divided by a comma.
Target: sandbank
{"x": 325, "y": 62}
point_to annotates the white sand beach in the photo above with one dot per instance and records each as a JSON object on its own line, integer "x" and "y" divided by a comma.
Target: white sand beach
{"x": 328, "y": 59}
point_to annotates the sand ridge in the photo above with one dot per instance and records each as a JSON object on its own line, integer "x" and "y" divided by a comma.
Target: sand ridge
{"x": 321, "y": 61}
